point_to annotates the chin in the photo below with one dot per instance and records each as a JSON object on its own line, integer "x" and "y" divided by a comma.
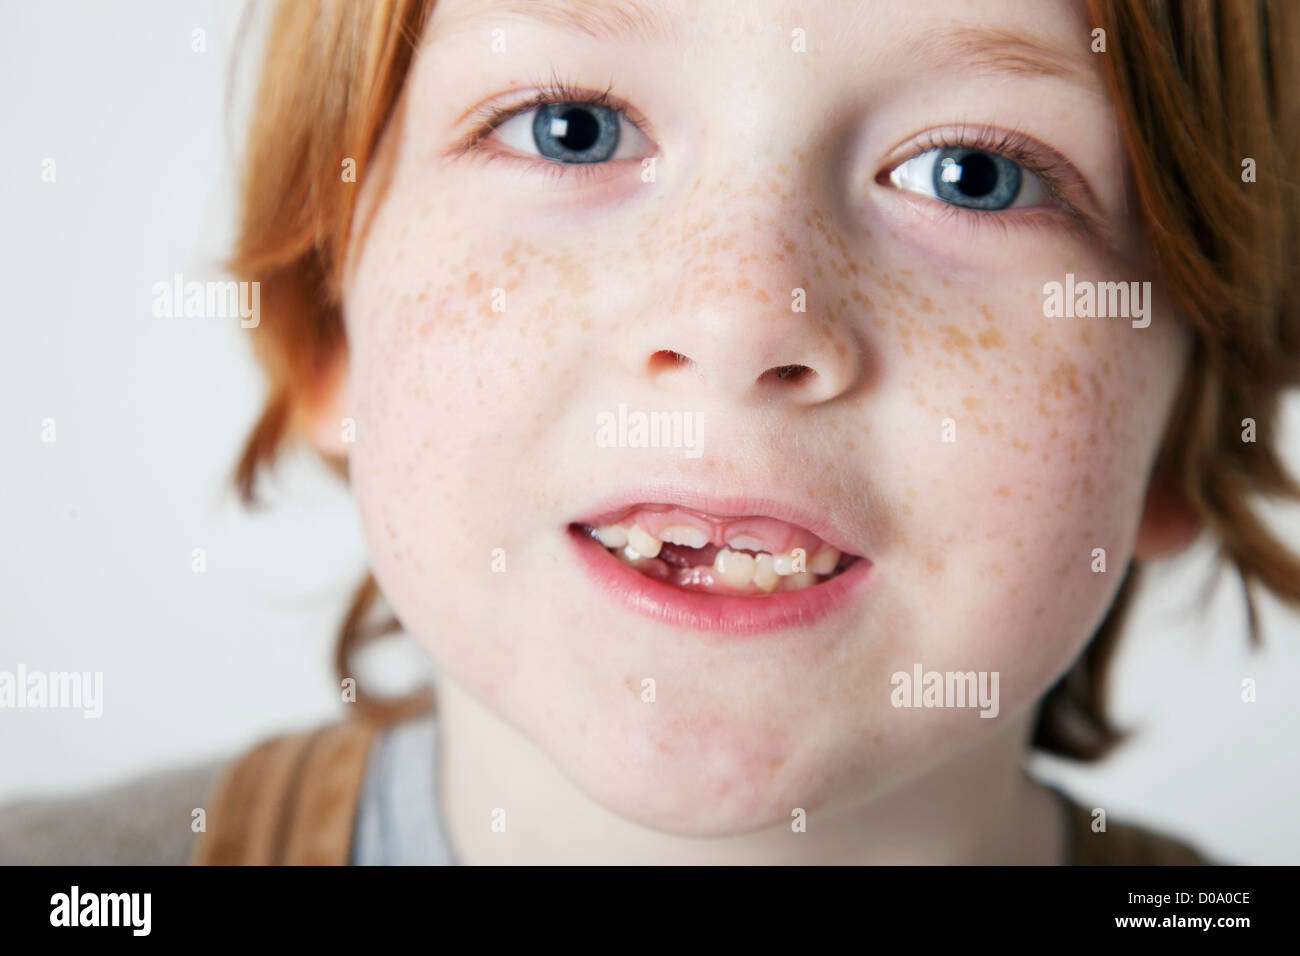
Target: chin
{"x": 690, "y": 786}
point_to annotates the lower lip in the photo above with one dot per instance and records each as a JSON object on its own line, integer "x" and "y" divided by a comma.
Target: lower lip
{"x": 704, "y": 611}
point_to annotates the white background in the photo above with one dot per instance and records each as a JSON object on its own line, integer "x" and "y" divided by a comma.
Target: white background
{"x": 98, "y": 526}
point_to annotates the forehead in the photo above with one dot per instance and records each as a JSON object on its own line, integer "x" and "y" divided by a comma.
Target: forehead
{"x": 1043, "y": 37}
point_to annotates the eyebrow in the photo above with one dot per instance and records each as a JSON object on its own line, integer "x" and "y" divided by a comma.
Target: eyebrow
{"x": 598, "y": 19}
{"x": 1000, "y": 51}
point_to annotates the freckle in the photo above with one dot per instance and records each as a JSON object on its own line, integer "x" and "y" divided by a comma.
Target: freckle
{"x": 474, "y": 284}
{"x": 925, "y": 304}
{"x": 971, "y": 402}
{"x": 954, "y": 339}
{"x": 1003, "y": 491}
{"x": 982, "y": 428}
{"x": 1087, "y": 484}
{"x": 992, "y": 339}
{"x": 1067, "y": 373}
{"x": 986, "y": 312}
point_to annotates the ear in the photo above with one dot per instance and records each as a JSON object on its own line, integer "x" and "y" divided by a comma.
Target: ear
{"x": 323, "y": 417}
{"x": 1169, "y": 521}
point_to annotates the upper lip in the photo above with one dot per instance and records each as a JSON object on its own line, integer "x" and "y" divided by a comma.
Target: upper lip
{"x": 817, "y": 521}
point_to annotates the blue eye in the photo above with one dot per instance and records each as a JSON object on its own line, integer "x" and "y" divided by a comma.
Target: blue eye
{"x": 573, "y": 133}
{"x": 576, "y": 132}
{"x": 970, "y": 178}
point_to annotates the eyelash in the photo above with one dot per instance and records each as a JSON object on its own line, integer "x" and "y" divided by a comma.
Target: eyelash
{"x": 1062, "y": 183}
{"x": 487, "y": 118}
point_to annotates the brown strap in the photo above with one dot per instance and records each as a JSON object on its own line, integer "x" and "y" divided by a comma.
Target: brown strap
{"x": 290, "y": 800}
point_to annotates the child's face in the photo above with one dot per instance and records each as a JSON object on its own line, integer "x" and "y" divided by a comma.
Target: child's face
{"x": 501, "y": 302}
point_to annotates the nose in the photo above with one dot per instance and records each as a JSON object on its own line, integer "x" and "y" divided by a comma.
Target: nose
{"x": 750, "y": 315}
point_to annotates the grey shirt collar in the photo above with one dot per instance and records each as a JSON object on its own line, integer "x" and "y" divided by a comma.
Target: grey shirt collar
{"x": 398, "y": 819}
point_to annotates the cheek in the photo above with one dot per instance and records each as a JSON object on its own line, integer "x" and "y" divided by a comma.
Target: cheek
{"x": 462, "y": 351}
{"x": 1026, "y": 442}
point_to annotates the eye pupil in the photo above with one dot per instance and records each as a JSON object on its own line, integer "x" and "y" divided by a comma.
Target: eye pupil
{"x": 576, "y": 132}
{"x": 978, "y": 175}
{"x": 975, "y": 179}
{"x": 577, "y": 129}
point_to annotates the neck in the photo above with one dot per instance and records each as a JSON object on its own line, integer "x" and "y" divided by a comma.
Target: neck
{"x": 977, "y": 808}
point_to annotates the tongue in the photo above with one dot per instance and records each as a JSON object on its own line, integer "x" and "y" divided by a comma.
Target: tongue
{"x": 680, "y": 556}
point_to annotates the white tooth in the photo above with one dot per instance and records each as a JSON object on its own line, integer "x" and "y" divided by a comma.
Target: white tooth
{"x": 735, "y": 569}
{"x": 801, "y": 580}
{"x": 643, "y": 542}
{"x": 765, "y": 576}
{"x": 824, "y": 561}
{"x": 612, "y": 535}
{"x": 684, "y": 535}
{"x": 746, "y": 542}
{"x": 791, "y": 562}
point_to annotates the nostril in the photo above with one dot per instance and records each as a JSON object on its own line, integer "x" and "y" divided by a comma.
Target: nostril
{"x": 665, "y": 360}
{"x": 789, "y": 373}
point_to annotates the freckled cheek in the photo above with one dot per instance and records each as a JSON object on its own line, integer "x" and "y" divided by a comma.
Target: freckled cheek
{"x": 1047, "y": 463}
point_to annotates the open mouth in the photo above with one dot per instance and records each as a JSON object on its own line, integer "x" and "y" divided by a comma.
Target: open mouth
{"x": 748, "y": 556}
